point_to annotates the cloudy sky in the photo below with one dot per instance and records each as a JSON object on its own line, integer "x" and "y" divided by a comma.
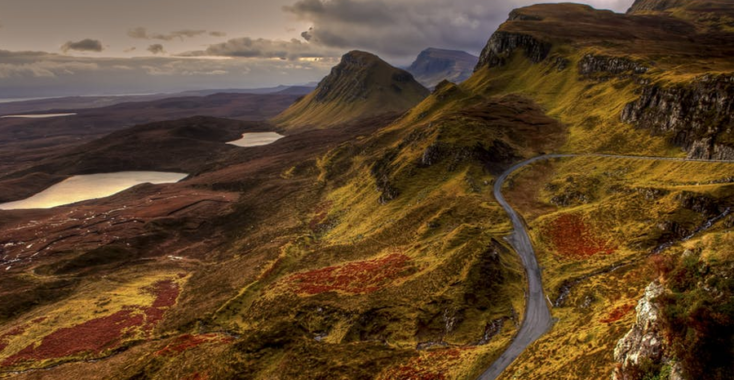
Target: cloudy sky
{"x": 83, "y": 47}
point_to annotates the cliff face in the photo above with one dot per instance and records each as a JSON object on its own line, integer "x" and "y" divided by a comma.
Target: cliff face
{"x": 502, "y": 44}
{"x": 696, "y": 116}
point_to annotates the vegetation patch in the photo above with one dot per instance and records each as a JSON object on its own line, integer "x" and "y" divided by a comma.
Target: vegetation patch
{"x": 187, "y": 341}
{"x": 165, "y": 292}
{"x": 573, "y": 238}
{"x": 618, "y": 313}
{"x": 94, "y": 336}
{"x": 432, "y": 365}
{"x": 97, "y": 335}
{"x": 356, "y": 277}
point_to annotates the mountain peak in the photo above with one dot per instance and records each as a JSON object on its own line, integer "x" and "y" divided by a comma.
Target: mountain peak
{"x": 362, "y": 85}
{"x": 434, "y": 65}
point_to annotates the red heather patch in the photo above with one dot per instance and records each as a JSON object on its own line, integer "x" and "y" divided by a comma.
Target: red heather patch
{"x": 355, "y": 277}
{"x": 197, "y": 376}
{"x": 166, "y": 292}
{"x": 104, "y": 333}
{"x": 93, "y": 336}
{"x": 572, "y": 238}
{"x": 187, "y": 341}
{"x": 617, "y": 313}
{"x": 427, "y": 367}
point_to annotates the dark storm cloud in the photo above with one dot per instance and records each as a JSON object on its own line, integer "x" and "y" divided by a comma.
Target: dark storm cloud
{"x": 263, "y": 48}
{"x": 83, "y": 45}
{"x": 156, "y": 49}
{"x": 394, "y": 29}
{"x": 142, "y": 33}
{"x": 400, "y": 28}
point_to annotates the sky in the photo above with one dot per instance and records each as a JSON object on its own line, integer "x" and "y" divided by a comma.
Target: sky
{"x": 94, "y": 47}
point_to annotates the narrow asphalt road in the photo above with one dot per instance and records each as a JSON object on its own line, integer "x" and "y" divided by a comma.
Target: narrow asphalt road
{"x": 537, "y": 319}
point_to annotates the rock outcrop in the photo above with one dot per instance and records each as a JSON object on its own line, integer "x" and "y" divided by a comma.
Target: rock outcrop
{"x": 502, "y": 44}
{"x": 644, "y": 342}
{"x": 696, "y": 116}
{"x": 599, "y": 64}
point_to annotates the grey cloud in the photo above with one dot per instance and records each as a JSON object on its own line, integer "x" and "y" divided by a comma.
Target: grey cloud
{"x": 138, "y": 33}
{"x": 307, "y": 34}
{"x": 156, "y": 49}
{"x": 142, "y": 33}
{"x": 83, "y": 45}
{"x": 263, "y": 48}
{"x": 217, "y": 34}
{"x": 130, "y": 49}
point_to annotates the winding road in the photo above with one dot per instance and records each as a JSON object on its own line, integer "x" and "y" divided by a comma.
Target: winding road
{"x": 537, "y": 319}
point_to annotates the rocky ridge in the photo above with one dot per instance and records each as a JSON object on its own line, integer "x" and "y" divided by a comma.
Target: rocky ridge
{"x": 695, "y": 116}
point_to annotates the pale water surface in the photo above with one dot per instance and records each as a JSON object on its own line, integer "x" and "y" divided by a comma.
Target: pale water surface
{"x": 37, "y": 116}
{"x": 84, "y": 187}
{"x": 256, "y": 139}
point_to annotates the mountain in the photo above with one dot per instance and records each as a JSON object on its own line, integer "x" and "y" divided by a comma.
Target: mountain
{"x": 435, "y": 65}
{"x": 361, "y": 86}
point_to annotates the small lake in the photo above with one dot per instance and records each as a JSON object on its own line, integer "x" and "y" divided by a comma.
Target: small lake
{"x": 37, "y": 116}
{"x": 84, "y": 187}
{"x": 256, "y": 139}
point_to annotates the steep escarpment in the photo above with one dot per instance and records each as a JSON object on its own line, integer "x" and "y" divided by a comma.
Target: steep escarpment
{"x": 361, "y": 86}
{"x": 605, "y": 71}
{"x": 697, "y": 116}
